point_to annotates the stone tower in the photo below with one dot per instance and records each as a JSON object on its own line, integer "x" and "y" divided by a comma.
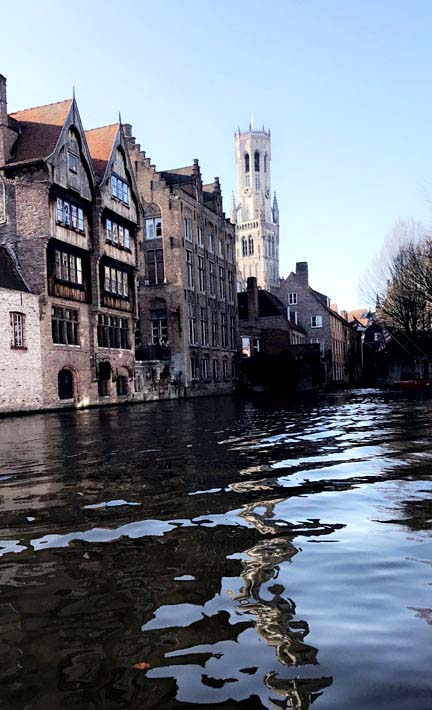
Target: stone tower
{"x": 256, "y": 218}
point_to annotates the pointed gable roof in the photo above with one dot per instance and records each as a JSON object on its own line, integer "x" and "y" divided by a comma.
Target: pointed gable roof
{"x": 100, "y": 142}
{"x": 40, "y": 128}
{"x": 9, "y": 275}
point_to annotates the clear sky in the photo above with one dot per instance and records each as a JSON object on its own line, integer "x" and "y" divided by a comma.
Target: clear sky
{"x": 344, "y": 86}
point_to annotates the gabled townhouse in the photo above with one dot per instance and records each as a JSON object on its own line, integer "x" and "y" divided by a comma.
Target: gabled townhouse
{"x": 56, "y": 203}
{"x": 323, "y": 325}
{"x": 20, "y": 347}
{"x": 187, "y": 297}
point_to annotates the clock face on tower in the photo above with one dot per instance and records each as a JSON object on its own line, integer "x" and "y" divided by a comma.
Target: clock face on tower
{"x": 247, "y": 191}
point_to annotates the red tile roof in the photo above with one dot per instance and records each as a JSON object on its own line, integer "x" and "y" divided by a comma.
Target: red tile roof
{"x": 100, "y": 142}
{"x": 40, "y": 130}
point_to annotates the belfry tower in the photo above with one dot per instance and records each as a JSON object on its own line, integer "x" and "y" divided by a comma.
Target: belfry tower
{"x": 256, "y": 219}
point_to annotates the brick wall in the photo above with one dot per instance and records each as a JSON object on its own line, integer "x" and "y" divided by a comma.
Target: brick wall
{"x": 21, "y": 377}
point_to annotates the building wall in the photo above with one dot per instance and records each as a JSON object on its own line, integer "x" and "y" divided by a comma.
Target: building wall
{"x": 21, "y": 380}
{"x": 180, "y": 298}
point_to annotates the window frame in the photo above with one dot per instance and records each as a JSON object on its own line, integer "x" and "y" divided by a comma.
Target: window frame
{"x": 318, "y": 321}
{"x": 18, "y": 330}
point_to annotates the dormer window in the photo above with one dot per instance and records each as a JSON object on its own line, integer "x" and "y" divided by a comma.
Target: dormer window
{"x": 120, "y": 189}
{"x": 72, "y": 162}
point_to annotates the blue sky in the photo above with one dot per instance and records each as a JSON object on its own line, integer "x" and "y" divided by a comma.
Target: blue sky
{"x": 344, "y": 87}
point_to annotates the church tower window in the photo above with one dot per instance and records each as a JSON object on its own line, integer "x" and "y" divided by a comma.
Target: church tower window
{"x": 244, "y": 247}
{"x": 246, "y": 158}
{"x": 251, "y": 246}
{"x": 265, "y": 162}
{"x": 257, "y": 161}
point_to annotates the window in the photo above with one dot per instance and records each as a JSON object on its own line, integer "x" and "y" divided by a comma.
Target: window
{"x": 205, "y": 368}
{"x": 214, "y": 330}
{"x": 246, "y": 346}
{"x": 265, "y": 162}
{"x": 120, "y": 189}
{"x": 65, "y": 384}
{"x": 204, "y": 326}
{"x": 189, "y": 268}
{"x": 292, "y": 299}
{"x": 229, "y": 251}
{"x": 320, "y": 341}
{"x": 159, "y": 326}
{"x": 247, "y": 179}
{"x": 188, "y": 230}
{"x": 192, "y": 325}
{"x": 316, "y": 321}
{"x": 230, "y": 286}
{"x": 257, "y": 161}
{"x": 64, "y": 325}
{"x": 251, "y": 246}
{"x": 122, "y": 385}
{"x": 153, "y": 227}
{"x": 256, "y": 346}
{"x": 117, "y": 234}
{"x": 155, "y": 267}
{"x": 244, "y": 247}
{"x": 72, "y": 162}
{"x": 211, "y": 243}
{"x": 221, "y": 282}
{"x": 212, "y": 276}
{"x": 200, "y": 237}
{"x": 68, "y": 267}
{"x": 116, "y": 281}
{"x": 220, "y": 248}
{"x": 69, "y": 215}
{"x": 104, "y": 376}
{"x": 257, "y": 182}
{"x": 216, "y": 370}
{"x": 17, "y": 324}
{"x": 232, "y": 333}
{"x": 224, "y": 332}
{"x": 246, "y": 159}
{"x": 195, "y": 373}
{"x": 113, "y": 332}
{"x": 201, "y": 274}
{"x": 225, "y": 369}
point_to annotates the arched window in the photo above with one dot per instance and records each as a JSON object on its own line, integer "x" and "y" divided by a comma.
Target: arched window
{"x": 251, "y": 246}
{"x": 246, "y": 158}
{"x": 244, "y": 247}
{"x": 65, "y": 384}
{"x": 257, "y": 161}
{"x": 265, "y": 162}
{"x": 272, "y": 246}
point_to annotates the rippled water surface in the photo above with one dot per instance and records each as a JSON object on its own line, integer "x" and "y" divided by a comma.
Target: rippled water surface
{"x": 218, "y": 554}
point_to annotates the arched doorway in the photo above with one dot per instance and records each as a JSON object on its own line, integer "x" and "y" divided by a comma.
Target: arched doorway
{"x": 65, "y": 384}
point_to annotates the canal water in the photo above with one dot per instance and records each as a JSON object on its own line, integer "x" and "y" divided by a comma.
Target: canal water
{"x": 218, "y": 553}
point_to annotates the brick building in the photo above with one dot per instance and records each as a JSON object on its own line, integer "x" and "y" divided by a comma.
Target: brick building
{"x": 323, "y": 325}
{"x": 20, "y": 350}
{"x": 69, "y": 213}
{"x": 188, "y": 323}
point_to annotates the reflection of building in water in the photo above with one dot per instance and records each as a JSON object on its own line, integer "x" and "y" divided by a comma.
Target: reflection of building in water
{"x": 275, "y": 616}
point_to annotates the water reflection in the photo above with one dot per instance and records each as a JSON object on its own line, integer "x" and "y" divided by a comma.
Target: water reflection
{"x": 218, "y": 554}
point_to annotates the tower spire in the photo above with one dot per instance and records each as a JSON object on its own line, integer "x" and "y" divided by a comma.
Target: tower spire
{"x": 233, "y": 209}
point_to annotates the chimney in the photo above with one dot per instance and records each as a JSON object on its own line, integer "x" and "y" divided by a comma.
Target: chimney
{"x": 252, "y": 298}
{"x": 302, "y": 273}
{"x": 3, "y": 121}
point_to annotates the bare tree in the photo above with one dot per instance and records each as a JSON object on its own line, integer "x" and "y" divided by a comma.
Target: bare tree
{"x": 400, "y": 278}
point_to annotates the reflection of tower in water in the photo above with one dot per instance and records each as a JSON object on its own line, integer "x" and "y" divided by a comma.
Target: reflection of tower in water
{"x": 275, "y": 618}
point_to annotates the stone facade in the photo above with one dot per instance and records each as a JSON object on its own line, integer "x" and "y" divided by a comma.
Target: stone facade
{"x": 257, "y": 221}
{"x": 187, "y": 295}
